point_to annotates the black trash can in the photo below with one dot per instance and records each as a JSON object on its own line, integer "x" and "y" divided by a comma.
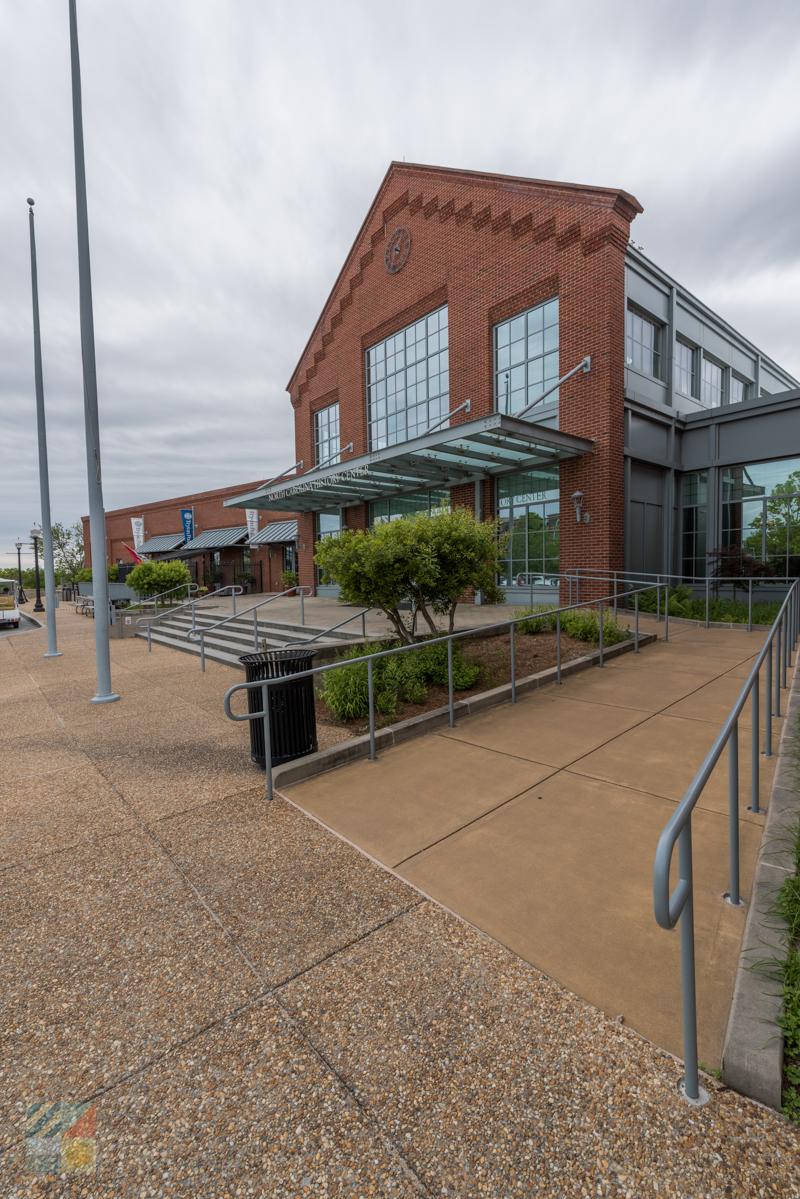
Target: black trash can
{"x": 292, "y": 715}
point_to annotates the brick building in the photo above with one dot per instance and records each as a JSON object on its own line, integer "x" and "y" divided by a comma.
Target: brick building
{"x": 497, "y": 343}
{"x": 223, "y": 548}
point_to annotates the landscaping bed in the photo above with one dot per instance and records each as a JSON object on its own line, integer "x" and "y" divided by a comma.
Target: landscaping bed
{"x": 491, "y": 654}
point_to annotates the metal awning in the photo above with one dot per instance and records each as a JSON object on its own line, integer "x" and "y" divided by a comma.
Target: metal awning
{"x": 213, "y": 539}
{"x": 279, "y": 530}
{"x": 162, "y": 544}
{"x": 477, "y": 449}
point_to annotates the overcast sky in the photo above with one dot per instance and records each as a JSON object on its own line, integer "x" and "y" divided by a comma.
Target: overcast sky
{"x": 234, "y": 146}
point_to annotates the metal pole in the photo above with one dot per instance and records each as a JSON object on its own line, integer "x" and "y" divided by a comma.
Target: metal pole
{"x": 44, "y": 478}
{"x": 255, "y": 631}
{"x": 754, "y": 754}
{"x": 97, "y": 518}
{"x": 768, "y": 696}
{"x": 785, "y": 628}
{"x": 666, "y": 612}
{"x": 691, "y": 1081}
{"x": 513, "y": 678}
{"x": 364, "y": 625}
{"x": 202, "y": 650}
{"x": 615, "y": 595}
{"x": 733, "y": 813}
{"x": 450, "y": 679}
{"x": 371, "y": 711}
{"x": 302, "y": 609}
{"x": 601, "y": 632}
{"x": 636, "y": 623}
{"x": 233, "y": 593}
{"x": 658, "y": 603}
{"x": 706, "y": 602}
{"x": 750, "y": 606}
{"x": 558, "y": 648}
{"x": 778, "y": 671}
{"x": 149, "y": 647}
{"x": 267, "y": 739}
{"x": 38, "y": 606}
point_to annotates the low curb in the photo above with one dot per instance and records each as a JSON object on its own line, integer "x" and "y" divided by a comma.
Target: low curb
{"x": 752, "y": 1057}
{"x": 416, "y": 726}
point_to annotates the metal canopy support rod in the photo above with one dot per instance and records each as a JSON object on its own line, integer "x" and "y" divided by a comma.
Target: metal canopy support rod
{"x": 97, "y": 518}
{"x": 44, "y": 478}
{"x": 585, "y": 366}
{"x": 447, "y": 415}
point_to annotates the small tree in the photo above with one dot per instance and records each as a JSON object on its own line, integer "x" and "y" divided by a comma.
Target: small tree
{"x": 85, "y": 575}
{"x": 68, "y": 552}
{"x": 431, "y": 560}
{"x": 735, "y": 562}
{"x": 155, "y": 578}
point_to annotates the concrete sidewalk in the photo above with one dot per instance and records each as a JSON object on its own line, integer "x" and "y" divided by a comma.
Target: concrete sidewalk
{"x": 538, "y": 824}
{"x": 236, "y": 1002}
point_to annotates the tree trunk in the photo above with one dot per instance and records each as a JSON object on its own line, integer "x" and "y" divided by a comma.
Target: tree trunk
{"x": 452, "y": 617}
{"x": 422, "y": 608}
{"x": 397, "y": 620}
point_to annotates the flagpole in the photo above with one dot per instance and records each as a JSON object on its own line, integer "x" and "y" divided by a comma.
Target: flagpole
{"x": 44, "y": 478}
{"x": 97, "y": 516}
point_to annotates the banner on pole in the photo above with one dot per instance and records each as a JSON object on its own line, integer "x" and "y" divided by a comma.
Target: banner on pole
{"x": 137, "y": 529}
{"x": 187, "y": 520}
{"x": 252, "y": 522}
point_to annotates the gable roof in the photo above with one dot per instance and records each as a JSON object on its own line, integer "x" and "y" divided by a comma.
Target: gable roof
{"x": 621, "y": 202}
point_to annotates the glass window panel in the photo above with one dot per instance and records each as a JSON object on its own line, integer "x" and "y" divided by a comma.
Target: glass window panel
{"x": 408, "y": 358}
{"x": 737, "y": 390}
{"x": 712, "y": 384}
{"x": 642, "y": 344}
{"x": 684, "y": 368}
{"x": 326, "y": 435}
{"x": 513, "y": 391}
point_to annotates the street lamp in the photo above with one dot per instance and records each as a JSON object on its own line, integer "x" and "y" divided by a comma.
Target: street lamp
{"x": 18, "y": 546}
{"x": 36, "y": 533}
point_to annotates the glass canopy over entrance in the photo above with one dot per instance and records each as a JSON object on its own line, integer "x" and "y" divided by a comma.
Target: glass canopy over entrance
{"x": 469, "y": 452}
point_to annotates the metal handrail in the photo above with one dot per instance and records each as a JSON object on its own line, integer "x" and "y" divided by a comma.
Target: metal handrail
{"x": 234, "y": 589}
{"x": 449, "y": 638}
{"x": 334, "y": 627}
{"x": 669, "y": 910}
{"x": 194, "y": 634}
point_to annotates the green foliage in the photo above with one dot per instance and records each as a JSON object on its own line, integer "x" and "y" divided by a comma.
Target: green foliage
{"x": 582, "y": 623}
{"x": 397, "y": 679}
{"x": 155, "y": 578}
{"x": 85, "y": 575}
{"x": 433, "y": 560}
{"x": 289, "y": 578}
{"x": 68, "y": 553}
{"x": 726, "y": 611}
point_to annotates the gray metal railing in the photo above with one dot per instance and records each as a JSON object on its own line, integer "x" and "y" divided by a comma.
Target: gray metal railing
{"x": 703, "y": 583}
{"x": 190, "y": 603}
{"x": 678, "y": 907}
{"x": 601, "y": 603}
{"x": 334, "y": 627}
{"x": 200, "y": 634}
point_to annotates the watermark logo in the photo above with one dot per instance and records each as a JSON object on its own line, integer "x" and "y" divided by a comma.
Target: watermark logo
{"x": 60, "y": 1138}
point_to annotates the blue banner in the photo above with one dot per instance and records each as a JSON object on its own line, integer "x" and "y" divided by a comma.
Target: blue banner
{"x": 187, "y": 517}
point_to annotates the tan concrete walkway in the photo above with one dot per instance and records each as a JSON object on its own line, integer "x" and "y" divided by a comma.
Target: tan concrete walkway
{"x": 241, "y": 1004}
{"x": 538, "y": 823}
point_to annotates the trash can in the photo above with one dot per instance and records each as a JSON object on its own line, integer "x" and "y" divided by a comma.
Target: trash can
{"x": 292, "y": 715}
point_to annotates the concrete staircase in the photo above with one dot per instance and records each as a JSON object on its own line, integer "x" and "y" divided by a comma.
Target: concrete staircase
{"x": 236, "y": 637}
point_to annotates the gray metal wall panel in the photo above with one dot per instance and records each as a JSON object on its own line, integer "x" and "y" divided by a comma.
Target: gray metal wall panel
{"x": 688, "y": 325}
{"x": 769, "y": 435}
{"x": 770, "y": 380}
{"x": 652, "y": 299}
{"x": 743, "y": 364}
{"x": 716, "y": 345}
{"x": 648, "y": 437}
{"x": 645, "y": 386}
{"x": 646, "y": 483}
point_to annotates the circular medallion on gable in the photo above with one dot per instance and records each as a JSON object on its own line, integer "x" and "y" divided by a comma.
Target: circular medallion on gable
{"x": 397, "y": 250}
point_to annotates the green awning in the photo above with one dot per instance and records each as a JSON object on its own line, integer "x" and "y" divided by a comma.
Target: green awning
{"x": 477, "y": 449}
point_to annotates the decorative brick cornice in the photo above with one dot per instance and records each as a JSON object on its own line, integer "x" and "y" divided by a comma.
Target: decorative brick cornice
{"x": 503, "y": 224}
{"x": 407, "y": 317}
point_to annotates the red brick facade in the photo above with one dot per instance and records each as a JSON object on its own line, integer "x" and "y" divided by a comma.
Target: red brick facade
{"x": 164, "y": 516}
{"x": 489, "y": 247}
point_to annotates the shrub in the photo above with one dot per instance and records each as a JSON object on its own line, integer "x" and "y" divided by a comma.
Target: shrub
{"x": 398, "y": 679}
{"x": 289, "y": 578}
{"x": 581, "y": 623}
{"x": 545, "y": 623}
{"x": 156, "y": 578}
{"x": 727, "y": 611}
{"x": 85, "y": 575}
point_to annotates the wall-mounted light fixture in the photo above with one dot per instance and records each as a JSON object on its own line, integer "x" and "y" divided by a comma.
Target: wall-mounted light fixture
{"x": 577, "y": 499}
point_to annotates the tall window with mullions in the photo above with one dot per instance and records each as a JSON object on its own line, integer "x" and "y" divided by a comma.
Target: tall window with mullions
{"x": 526, "y": 358}
{"x": 326, "y": 435}
{"x": 695, "y": 511}
{"x": 527, "y": 507}
{"x": 408, "y": 382}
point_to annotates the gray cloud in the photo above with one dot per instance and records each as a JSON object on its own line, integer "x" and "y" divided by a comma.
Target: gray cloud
{"x": 233, "y": 147}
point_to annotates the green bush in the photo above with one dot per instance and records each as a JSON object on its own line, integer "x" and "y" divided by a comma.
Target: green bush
{"x": 398, "y": 679}
{"x": 727, "y": 611}
{"x": 582, "y": 623}
{"x": 85, "y": 575}
{"x": 156, "y": 578}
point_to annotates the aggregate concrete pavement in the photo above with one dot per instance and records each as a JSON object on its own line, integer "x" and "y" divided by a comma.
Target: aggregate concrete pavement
{"x": 241, "y": 1003}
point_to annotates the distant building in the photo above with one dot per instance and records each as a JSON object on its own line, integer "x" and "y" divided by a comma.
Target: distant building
{"x": 428, "y": 381}
{"x": 222, "y": 550}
